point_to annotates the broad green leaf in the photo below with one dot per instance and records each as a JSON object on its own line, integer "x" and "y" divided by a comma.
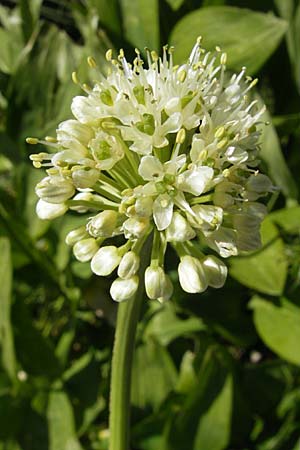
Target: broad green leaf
{"x": 175, "y": 4}
{"x": 279, "y": 327}
{"x": 34, "y": 351}
{"x": 266, "y": 269}
{"x": 6, "y": 335}
{"x": 108, "y": 13}
{"x": 165, "y": 326}
{"x": 204, "y": 419}
{"x": 272, "y": 155}
{"x": 187, "y": 378}
{"x": 62, "y": 434}
{"x": 238, "y": 31}
{"x": 217, "y": 418}
{"x": 287, "y": 218}
{"x": 141, "y": 23}
{"x": 151, "y": 362}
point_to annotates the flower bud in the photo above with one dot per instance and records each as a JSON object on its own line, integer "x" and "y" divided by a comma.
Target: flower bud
{"x": 105, "y": 260}
{"x": 73, "y": 134}
{"x": 122, "y": 290}
{"x": 103, "y": 224}
{"x": 55, "y": 189}
{"x": 259, "y": 183}
{"x": 135, "y": 227}
{"x": 85, "y": 249}
{"x": 157, "y": 283}
{"x": 76, "y": 235}
{"x": 179, "y": 229}
{"x": 215, "y": 271}
{"x": 129, "y": 265}
{"x": 85, "y": 177}
{"x": 48, "y": 211}
{"x": 192, "y": 276}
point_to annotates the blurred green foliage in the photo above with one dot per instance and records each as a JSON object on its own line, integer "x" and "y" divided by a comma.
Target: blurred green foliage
{"x": 213, "y": 371}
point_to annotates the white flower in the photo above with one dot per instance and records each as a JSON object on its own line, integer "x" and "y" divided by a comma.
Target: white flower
{"x": 105, "y": 260}
{"x": 168, "y": 151}
{"x": 49, "y": 211}
{"x": 85, "y": 249}
{"x": 123, "y": 289}
{"x": 192, "y": 276}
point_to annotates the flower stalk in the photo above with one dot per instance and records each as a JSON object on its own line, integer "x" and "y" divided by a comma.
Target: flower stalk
{"x": 127, "y": 319}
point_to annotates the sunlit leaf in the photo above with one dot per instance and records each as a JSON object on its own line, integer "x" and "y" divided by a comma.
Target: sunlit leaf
{"x": 265, "y": 270}
{"x": 240, "y": 34}
{"x": 279, "y": 327}
{"x": 140, "y": 19}
{"x": 62, "y": 434}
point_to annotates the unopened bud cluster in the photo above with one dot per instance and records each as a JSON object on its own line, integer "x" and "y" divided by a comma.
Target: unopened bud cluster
{"x": 167, "y": 151}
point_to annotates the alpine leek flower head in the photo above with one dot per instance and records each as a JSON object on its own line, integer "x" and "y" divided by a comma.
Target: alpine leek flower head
{"x": 164, "y": 150}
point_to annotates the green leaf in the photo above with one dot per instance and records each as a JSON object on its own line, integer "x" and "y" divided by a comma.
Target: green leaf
{"x": 62, "y": 434}
{"x": 108, "y": 13}
{"x": 207, "y": 407}
{"x": 265, "y": 270}
{"x": 216, "y": 418}
{"x": 165, "y": 326}
{"x": 272, "y": 155}
{"x": 141, "y": 23}
{"x": 6, "y": 335}
{"x": 240, "y": 34}
{"x": 175, "y": 4}
{"x": 287, "y": 218}
{"x": 279, "y": 327}
{"x": 151, "y": 362}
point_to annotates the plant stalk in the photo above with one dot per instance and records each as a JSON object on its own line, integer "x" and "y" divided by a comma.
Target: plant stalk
{"x": 127, "y": 320}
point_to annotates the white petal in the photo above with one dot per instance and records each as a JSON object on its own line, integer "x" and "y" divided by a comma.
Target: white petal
{"x": 195, "y": 180}
{"x": 151, "y": 168}
{"x": 122, "y": 290}
{"x": 179, "y": 229}
{"x": 48, "y": 211}
{"x": 192, "y": 277}
{"x": 162, "y": 211}
{"x": 215, "y": 270}
{"x": 105, "y": 260}
{"x": 172, "y": 124}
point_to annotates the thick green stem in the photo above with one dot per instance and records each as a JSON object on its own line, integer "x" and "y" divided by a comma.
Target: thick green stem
{"x": 128, "y": 315}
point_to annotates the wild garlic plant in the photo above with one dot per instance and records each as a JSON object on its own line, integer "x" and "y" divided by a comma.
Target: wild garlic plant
{"x": 162, "y": 154}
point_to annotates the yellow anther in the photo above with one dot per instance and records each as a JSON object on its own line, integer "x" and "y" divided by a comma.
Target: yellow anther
{"x": 91, "y": 62}
{"x": 199, "y": 39}
{"x": 219, "y": 132}
{"x": 108, "y": 55}
{"x": 154, "y": 56}
{"x": 181, "y": 76}
{"x": 254, "y": 82}
{"x": 222, "y": 143}
{"x": 32, "y": 140}
{"x": 121, "y": 53}
{"x": 180, "y": 138}
{"x": 74, "y": 78}
{"x": 223, "y": 59}
{"x": 36, "y": 164}
{"x": 50, "y": 139}
{"x": 86, "y": 87}
{"x": 218, "y": 49}
{"x": 226, "y": 173}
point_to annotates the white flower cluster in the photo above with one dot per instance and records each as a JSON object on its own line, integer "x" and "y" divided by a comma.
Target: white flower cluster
{"x": 164, "y": 150}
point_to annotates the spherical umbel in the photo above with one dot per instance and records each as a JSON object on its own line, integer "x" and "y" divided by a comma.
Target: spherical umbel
{"x": 163, "y": 150}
